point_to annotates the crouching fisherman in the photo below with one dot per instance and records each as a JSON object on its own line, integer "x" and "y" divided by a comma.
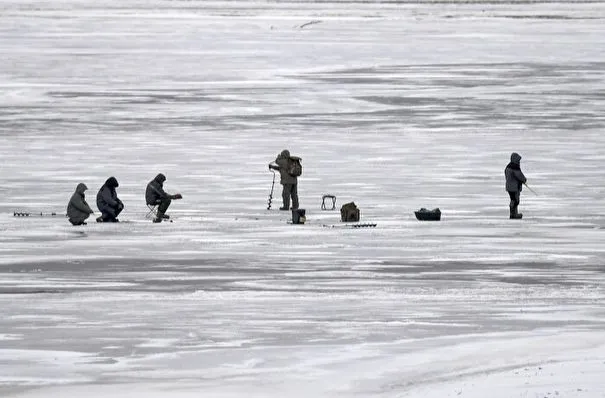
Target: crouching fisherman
{"x": 156, "y": 196}
{"x": 77, "y": 209}
{"x": 108, "y": 203}
{"x": 514, "y": 184}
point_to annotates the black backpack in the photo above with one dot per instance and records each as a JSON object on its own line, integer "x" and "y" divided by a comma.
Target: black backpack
{"x": 349, "y": 212}
{"x": 294, "y": 166}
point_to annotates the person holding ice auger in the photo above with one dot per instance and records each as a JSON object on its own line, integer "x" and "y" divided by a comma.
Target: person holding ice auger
{"x": 290, "y": 169}
{"x": 77, "y": 208}
{"x": 514, "y": 184}
{"x": 156, "y": 196}
{"x": 108, "y": 203}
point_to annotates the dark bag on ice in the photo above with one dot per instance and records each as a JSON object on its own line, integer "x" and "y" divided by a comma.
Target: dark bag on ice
{"x": 428, "y": 215}
{"x": 349, "y": 212}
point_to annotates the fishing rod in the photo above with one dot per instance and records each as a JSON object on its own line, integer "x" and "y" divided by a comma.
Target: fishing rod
{"x": 532, "y": 191}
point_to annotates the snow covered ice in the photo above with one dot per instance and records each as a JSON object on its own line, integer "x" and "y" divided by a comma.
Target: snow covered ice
{"x": 395, "y": 106}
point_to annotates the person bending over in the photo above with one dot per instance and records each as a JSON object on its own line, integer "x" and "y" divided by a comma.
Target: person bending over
{"x": 108, "y": 203}
{"x": 77, "y": 208}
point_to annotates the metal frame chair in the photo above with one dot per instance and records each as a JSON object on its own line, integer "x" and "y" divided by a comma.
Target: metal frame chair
{"x": 324, "y": 204}
{"x": 153, "y": 211}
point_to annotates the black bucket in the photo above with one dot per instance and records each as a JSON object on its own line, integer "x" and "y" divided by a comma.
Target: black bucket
{"x": 298, "y": 216}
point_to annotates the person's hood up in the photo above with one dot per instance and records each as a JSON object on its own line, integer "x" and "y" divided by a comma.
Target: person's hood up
{"x": 160, "y": 178}
{"x": 285, "y": 153}
{"x": 515, "y": 158}
{"x": 112, "y": 182}
{"x": 81, "y": 188}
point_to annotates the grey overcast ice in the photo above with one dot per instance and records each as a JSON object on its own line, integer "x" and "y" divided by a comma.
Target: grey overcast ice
{"x": 393, "y": 105}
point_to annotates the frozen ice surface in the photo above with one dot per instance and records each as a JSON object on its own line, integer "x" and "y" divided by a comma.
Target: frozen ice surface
{"x": 393, "y": 105}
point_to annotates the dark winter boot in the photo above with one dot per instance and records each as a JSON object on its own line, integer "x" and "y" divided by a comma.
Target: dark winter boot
{"x": 514, "y": 214}
{"x": 157, "y": 219}
{"x": 100, "y": 219}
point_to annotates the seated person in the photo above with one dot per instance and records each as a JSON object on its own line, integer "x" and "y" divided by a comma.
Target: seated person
{"x": 155, "y": 195}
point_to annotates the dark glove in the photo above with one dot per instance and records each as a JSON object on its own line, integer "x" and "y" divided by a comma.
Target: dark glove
{"x": 177, "y": 196}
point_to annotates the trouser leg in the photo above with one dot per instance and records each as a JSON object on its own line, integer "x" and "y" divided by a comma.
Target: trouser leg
{"x": 294, "y": 194}
{"x": 163, "y": 206}
{"x": 514, "y": 203}
{"x": 108, "y": 213}
{"x": 81, "y": 219}
{"x": 285, "y": 196}
{"x": 119, "y": 209}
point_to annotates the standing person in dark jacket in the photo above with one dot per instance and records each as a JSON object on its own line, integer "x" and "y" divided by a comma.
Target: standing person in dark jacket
{"x": 77, "y": 208}
{"x": 155, "y": 195}
{"x": 289, "y": 182}
{"x": 108, "y": 203}
{"x": 514, "y": 184}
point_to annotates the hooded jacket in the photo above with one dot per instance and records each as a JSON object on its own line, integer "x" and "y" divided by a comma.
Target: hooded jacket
{"x": 514, "y": 176}
{"x": 282, "y": 162}
{"x": 77, "y": 208}
{"x": 155, "y": 190}
{"x": 107, "y": 196}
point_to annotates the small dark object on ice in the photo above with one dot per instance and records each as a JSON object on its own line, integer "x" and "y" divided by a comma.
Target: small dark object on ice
{"x": 298, "y": 216}
{"x": 20, "y": 214}
{"x": 367, "y": 225}
{"x": 364, "y": 225}
{"x": 28, "y": 214}
{"x": 309, "y": 23}
{"x": 349, "y": 212}
{"x": 428, "y": 215}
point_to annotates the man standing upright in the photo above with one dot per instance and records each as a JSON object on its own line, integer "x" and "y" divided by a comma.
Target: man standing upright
{"x": 514, "y": 184}
{"x": 288, "y": 178}
{"x": 155, "y": 195}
